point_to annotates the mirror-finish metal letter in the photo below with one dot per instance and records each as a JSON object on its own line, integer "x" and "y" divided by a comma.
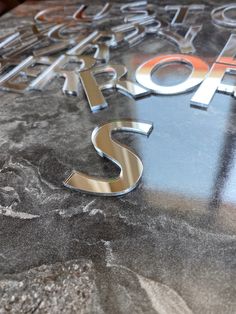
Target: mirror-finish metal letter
{"x": 145, "y": 71}
{"x": 182, "y": 12}
{"x": 23, "y": 70}
{"x": 184, "y": 43}
{"x": 222, "y": 15}
{"x": 129, "y": 163}
{"x": 93, "y": 90}
{"x": 225, "y": 63}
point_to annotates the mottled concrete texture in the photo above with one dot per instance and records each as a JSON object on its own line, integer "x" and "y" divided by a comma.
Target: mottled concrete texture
{"x": 58, "y": 288}
{"x": 167, "y": 247}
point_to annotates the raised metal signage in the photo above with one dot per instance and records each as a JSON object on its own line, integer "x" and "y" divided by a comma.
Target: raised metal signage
{"x": 66, "y": 42}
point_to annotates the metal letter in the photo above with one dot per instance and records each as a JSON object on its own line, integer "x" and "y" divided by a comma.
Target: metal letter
{"x": 182, "y": 12}
{"x": 144, "y": 73}
{"x": 185, "y": 43}
{"x": 93, "y": 91}
{"x": 90, "y": 42}
{"x": 46, "y": 76}
{"x": 137, "y": 34}
{"x": 56, "y": 70}
{"x": 207, "y": 89}
{"x": 129, "y": 163}
{"x": 228, "y": 53}
{"x": 28, "y": 38}
{"x": 81, "y": 16}
{"x": 137, "y": 11}
{"x": 56, "y": 14}
{"x": 25, "y": 68}
{"x": 225, "y": 63}
{"x": 6, "y": 63}
{"x": 126, "y": 86}
{"x": 71, "y": 84}
{"x": 219, "y": 15}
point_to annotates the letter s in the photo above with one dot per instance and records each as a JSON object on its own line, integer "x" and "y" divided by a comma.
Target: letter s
{"x": 130, "y": 164}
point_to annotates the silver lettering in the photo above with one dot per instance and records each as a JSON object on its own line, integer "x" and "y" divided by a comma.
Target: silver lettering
{"x": 129, "y": 163}
{"x": 182, "y": 11}
{"x": 144, "y": 73}
{"x": 225, "y": 63}
{"x": 220, "y": 16}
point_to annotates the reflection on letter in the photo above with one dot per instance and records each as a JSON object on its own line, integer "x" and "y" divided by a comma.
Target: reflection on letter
{"x": 182, "y": 12}
{"x": 206, "y": 91}
{"x": 56, "y": 14}
{"x": 185, "y": 43}
{"x": 229, "y": 51}
{"x": 225, "y": 63}
{"x": 221, "y": 16}
{"x": 56, "y": 69}
{"x": 144, "y": 73}
{"x": 81, "y": 16}
{"x": 137, "y": 11}
{"x": 17, "y": 80}
{"x": 93, "y": 90}
{"x": 129, "y": 163}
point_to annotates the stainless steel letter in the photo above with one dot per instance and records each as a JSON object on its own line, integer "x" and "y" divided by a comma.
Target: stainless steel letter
{"x": 225, "y": 63}
{"x": 184, "y": 43}
{"x": 182, "y": 12}
{"x": 219, "y": 15}
{"x": 24, "y": 69}
{"x": 144, "y": 73}
{"x": 130, "y": 164}
{"x": 93, "y": 90}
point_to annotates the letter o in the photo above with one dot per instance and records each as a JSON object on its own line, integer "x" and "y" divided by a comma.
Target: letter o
{"x": 199, "y": 71}
{"x": 219, "y": 15}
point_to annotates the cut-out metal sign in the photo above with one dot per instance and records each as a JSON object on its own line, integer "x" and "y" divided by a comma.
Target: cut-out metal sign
{"x": 71, "y": 43}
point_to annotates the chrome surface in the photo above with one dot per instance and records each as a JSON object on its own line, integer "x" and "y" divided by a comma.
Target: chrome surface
{"x": 225, "y": 64}
{"x": 137, "y": 11}
{"x": 118, "y": 73}
{"x": 168, "y": 246}
{"x": 7, "y": 81}
{"x": 51, "y": 49}
{"x": 46, "y": 76}
{"x": 131, "y": 167}
{"x": 182, "y": 11}
{"x": 93, "y": 93}
{"x": 6, "y": 63}
{"x": 184, "y": 43}
{"x": 57, "y": 68}
{"x": 71, "y": 32}
{"x": 79, "y": 47}
{"x": 81, "y": 16}
{"x": 118, "y": 80}
{"x": 228, "y": 53}
{"x": 89, "y": 42}
{"x": 212, "y": 83}
{"x": 71, "y": 84}
{"x": 198, "y": 73}
{"x": 220, "y": 16}
{"x": 62, "y": 14}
